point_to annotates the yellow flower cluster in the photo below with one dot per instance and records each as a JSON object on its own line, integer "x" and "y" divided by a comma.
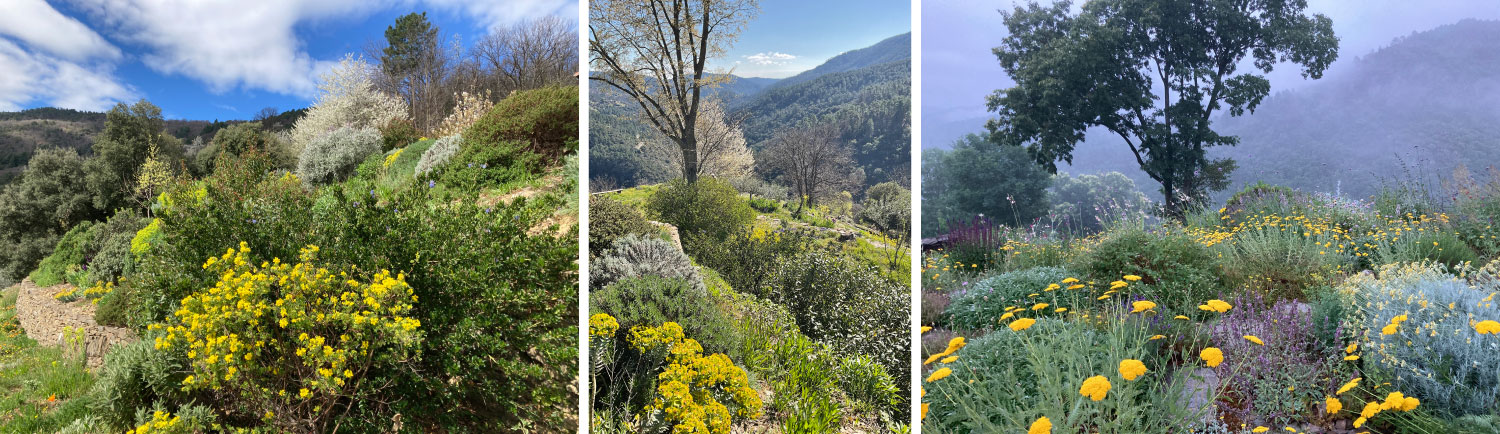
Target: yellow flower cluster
{"x": 953, "y": 345}
{"x": 161, "y": 422}
{"x": 688, "y": 391}
{"x": 603, "y": 325}
{"x": 1095, "y": 387}
{"x": 263, "y": 330}
{"x": 100, "y": 289}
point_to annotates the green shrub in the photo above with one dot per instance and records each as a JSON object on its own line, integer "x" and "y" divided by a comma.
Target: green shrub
{"x": 887, "y": 206}
{"x": 400, "y": 167}
{"x": 746, "y": 260}
{"x": 1440, "y": 247}
{"x": 648, "y": 300}
{"x": 981, "y": 304}
{"x": 1446, "y": 364}
{"x": 334, "y": 156}
{"x": 479, "y": 165}
{"x": 709, "y": 206}
{"x": 70, "y": 250}
{"x": 35, "y": 209}
{"x": 867, "y": 382}
{"x": 397, "y": 133}
{"x": 1004, "y": 381}
{"x": 764, "y": 205}
{"x": 1283, "y": 261}
{"x": 1177, "y": 273}
{"x": 1262, "y": 199}
{"x": 544, "y": 121}
{"x": 134, "y": 378}
{"x": 609, "y": 220}
{"x": 846, "y": 306}
{"x": 635, "y": 256}
{"x": 111, "y": 244}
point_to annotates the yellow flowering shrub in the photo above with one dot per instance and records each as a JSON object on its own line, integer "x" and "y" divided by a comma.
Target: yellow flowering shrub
{"x": 694, "y": 393}
{"x": 144, "y": 238}
{"x": 287, "y": 343}
{"x": 161, "y": 422}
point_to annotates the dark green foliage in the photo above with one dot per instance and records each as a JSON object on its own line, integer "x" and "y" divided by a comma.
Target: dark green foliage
{"x": 765, "y": 205}
{"x": 980, "y": 305}
{"x": 476, "y": 372}
{"x": 545, "y": 120}
{"x": 887, "y": 207}
{"x": 710, "y": 207}
{"x": 486, "y": 165}
{"x": 1104, "y": 68}
{"x": 844, "y": 305}
{"x": 981, "y": 177}
{"x": 50, "y": 197}
{"x": 129, "y": 134}
{"x": 70, "y": 250}
{"x": 111, "y": 246}
{"x": 745, "y": 261}
{"x": 1441, "y": 247}
{"x": 1177, "y": 273}
{"x": 135, "y": 377}
{"x": 609, "y": 220}
{"x": 1088, "y": 203}
{"x": 235, "y": 140}
{"x": 652, "y": 300}
{"x": 397, "y": 134}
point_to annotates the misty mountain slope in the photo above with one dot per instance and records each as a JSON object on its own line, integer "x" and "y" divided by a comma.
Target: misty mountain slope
{"x": 1416, "y": 108}
{"x": 891, "y": 49}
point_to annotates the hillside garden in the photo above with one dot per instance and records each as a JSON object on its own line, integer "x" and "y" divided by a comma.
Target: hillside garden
{"x": 325, "y": 280}
{"x": 1281, "y": 311}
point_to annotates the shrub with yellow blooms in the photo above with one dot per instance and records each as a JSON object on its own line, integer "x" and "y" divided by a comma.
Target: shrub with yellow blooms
{"x": 289, "y": 344}
{"x": 690, "y": 392}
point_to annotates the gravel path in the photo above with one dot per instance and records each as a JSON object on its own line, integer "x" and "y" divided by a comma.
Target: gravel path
{"x": 45, "y": 320}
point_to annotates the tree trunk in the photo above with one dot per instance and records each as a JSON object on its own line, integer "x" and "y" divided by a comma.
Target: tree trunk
{"x": 689, "y": 147}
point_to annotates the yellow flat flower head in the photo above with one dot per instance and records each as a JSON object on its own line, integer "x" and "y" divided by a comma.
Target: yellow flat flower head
{"x": 1132, "y": 277}
{"x": 1022, "y": 324}
{"x": 1130, "y": 369}
{"x": 1095, "y": 387}
{"x": 1487, "y": 327}
{"x": 1041, "y": 426}
{"x": 1211, "y": 356}
{"x": 939, "y": 374}
{"x": 1254, "y": 339}
{"x": 1141, "y": 306}
{"x": 1333, "y": 404}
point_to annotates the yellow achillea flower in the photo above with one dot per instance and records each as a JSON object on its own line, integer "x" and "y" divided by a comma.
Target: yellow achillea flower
{"x": 1359, "y": 422}
{"x": 1141, "y": 306}
{"x": 1155, "y": 337}
{"x": 1215, "y": 305}
{"x": 1351, "y": 358}
{"x": 1389, "y": 329}
{"x": 1181, "y": 317}
{"x": 949, "y": 359}
{"x": 1352, "y": 346}
{"x": 1393, "y": 401}
{"x": 1052, "y": 287}
{"x": 1333, "y": 404}
{"x": 1260, "y": 429}
{"x": 1117, "y": 284}
{"x": 1022, "y": 324}
{"x": 1069, "y": 280}
{"x": 1039, "y": 306}
{"x": 939, "y": 374}
{"x": 1410, "y": 403}
{"x": 1041, "y": 426}
{"x": 926, "y": 329}
{"x": 1095, "y": 387}
{"x": 1008, "y": 315}
{"x": 953, "y": 345}
{"x": 1487, "y": 327}
{"x": 1348, "y": 386}
{"x": 1075, "y": 286}
{"x": 1212, "y": 356}
{"x": 1060, "y": 310}
{"x": 924, "y": 410}
{"x": 1132, "y": 277}
{"x": 1254, "y": 339}
{"x": 1371, "y": 409}
{"x": 1130, "y": 369}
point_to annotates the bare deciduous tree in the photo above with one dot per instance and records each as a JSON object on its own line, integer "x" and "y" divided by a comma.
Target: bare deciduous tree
{"x": 530, "y": 54}
{"x": 813, "y": 161}
{"x": 657, "y": 52}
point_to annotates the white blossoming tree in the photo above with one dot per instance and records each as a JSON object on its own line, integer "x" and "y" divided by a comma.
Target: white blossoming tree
{"x": 348, "y": 98}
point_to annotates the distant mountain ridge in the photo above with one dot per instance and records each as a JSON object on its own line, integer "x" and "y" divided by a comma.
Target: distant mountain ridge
{"x": 867, "y": 91}
{"x": 1418, "y": 107}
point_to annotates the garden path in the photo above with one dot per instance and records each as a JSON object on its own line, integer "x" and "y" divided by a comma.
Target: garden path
{"x": 47, "y": 321}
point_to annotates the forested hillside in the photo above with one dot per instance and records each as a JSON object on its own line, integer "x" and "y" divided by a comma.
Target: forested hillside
{"x": 1424, "y": 104}
{"x": 865, "y": 92}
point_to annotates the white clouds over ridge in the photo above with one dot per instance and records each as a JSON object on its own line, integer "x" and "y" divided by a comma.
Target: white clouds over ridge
{"x": 224, "y": 44}
{"x": 770, "y": 58}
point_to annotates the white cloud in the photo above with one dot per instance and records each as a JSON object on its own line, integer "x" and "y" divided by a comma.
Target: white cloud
{"x": 36, "y": 24}
{"x": 770, "y": 58}
{"x": 29, "y": 77}
{"x": 229, "y": 44}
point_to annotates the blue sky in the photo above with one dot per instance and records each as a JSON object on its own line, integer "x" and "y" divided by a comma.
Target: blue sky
{"x": 958, "y": 69}
{"x": 210, "y": 59}
{"x": 791, "y": 36}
